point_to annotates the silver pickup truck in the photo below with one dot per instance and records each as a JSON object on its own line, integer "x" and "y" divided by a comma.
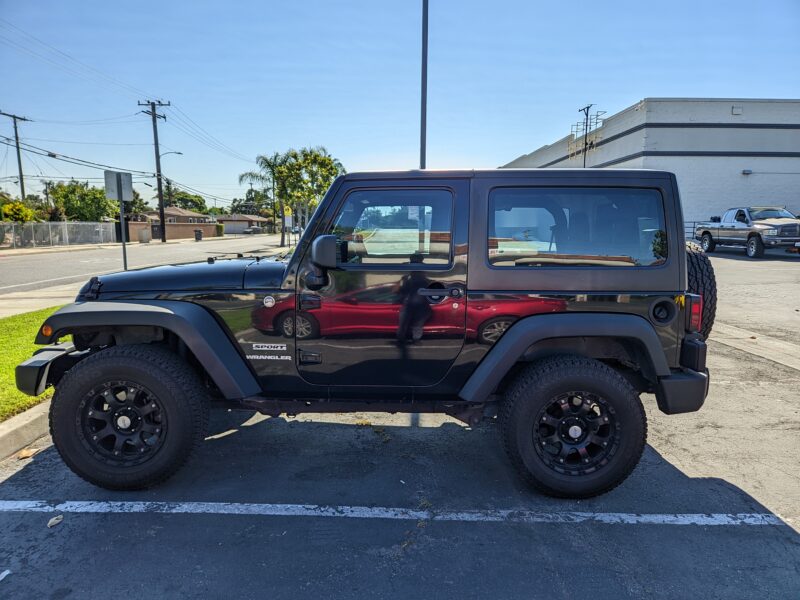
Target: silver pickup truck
{"x": 757, "y": 228}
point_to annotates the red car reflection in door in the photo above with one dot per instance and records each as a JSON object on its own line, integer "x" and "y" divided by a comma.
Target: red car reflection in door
{"x": 377, "y": 309}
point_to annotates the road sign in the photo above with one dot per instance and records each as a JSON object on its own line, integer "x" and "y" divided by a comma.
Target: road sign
{"x": 125, "y": 191}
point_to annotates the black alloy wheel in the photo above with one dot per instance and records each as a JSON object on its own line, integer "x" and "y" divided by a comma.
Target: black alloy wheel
{"x": 576, "y": 433}
{"x": 122, "y": 422}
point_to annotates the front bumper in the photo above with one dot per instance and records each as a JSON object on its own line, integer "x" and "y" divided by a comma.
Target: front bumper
{"x": 774, "y": 241}
{"x": 46, "y": 365}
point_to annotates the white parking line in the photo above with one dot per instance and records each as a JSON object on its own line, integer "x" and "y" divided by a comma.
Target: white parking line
{"x": 379, "y": 512}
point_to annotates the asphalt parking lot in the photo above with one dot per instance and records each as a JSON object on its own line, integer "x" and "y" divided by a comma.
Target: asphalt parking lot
{"x": 409, "y": 506}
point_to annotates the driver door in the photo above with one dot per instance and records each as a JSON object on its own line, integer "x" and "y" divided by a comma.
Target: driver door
{"x": 393, "y": 311}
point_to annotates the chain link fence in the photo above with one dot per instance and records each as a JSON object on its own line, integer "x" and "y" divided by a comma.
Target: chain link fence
{"x": 58, "y": 233}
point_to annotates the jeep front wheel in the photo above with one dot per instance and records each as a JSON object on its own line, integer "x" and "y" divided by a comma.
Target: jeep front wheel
{"x": 573, "y": 427}
{"x": 128, "y": 417}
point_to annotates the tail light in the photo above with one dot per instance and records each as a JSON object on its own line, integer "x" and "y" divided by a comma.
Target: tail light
{"x": 694, "y": 312}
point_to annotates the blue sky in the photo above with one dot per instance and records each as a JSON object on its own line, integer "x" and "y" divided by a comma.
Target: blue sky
{"x": 505, "y": 77}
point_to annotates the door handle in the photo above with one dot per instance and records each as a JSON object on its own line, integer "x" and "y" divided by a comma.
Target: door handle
{"x": 309, "y": 301}
{"x": 439, "y": 292}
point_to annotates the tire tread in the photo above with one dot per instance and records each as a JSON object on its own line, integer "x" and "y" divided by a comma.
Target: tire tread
{"x": 175, "y": 373}
{"x": 534, "y": 377}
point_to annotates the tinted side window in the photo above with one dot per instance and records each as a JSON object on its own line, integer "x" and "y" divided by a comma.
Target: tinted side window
{"x": 395, "y": 227}
{"x": 608, "y": 227}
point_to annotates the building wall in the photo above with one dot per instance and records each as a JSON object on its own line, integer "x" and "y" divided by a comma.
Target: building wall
{"x": 710, "y": 185}
{"x": 235, "y": 226}
{"x": 175, "y": 231}
{"x": 707, "y": 143}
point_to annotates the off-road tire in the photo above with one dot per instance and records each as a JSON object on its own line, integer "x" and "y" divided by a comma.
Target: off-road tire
{"x": 182, "y": 397}
{"x": 534, "y": 388}
{"x": 755, "y": 247}
{"x": 700, "y": 273}
{"x": 707, "y": 243}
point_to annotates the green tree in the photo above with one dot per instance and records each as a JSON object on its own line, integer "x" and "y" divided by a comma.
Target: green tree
{"x": 82, "y": 202}
{"x": 138, "y": 205}
{"x": 268, "y": 175}
{"x": 183, "y": 199}
{"x": 17, "y": 211}
{"x": 294, "y": 181}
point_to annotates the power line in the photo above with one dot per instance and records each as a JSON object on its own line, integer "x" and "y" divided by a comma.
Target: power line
{"x": 87, "y": 143}
{"x": 208, "y": 135}
{"x": 187, "y": 129}
{"x": 67, "y": 61}
{"x": 70, "y": 159}
{"x": 92, "y": 121}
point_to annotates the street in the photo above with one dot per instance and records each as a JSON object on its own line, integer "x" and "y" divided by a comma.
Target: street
{"x": 375, "y": 505}
{"x": 23, "y": 272}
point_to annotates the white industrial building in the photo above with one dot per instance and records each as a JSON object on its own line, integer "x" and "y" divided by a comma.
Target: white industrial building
{"x": 725, "y": 152}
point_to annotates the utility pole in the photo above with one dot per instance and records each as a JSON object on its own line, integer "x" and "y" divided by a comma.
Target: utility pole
{"x": 585, "y": 111}
{"x": 152, "y": 112}
{"x": 16, "y": 118}
{"x": 423, "y": 115}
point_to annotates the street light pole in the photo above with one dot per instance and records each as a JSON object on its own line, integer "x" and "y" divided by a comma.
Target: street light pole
{"x": 423, "y": 117}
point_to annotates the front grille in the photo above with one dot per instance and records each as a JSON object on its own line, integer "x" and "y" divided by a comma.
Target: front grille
{"x": 789, "y": 230}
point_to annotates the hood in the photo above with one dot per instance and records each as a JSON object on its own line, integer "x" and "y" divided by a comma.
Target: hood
{"x": 217, "y": 275}
{"x": 777, "y": 222}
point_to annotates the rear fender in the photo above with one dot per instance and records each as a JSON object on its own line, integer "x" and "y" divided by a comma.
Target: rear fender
{"x": 513, "y": 346}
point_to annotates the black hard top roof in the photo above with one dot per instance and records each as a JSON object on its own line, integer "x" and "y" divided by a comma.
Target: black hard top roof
{"x": 509, "y": 173}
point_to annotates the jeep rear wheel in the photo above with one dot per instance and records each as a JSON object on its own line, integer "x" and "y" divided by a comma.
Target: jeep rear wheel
{"x": 573, "y": 427}
{"x": 128, "y": 417}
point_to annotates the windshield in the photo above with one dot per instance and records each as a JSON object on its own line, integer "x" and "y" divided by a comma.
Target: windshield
{"x": 770, "y": 213}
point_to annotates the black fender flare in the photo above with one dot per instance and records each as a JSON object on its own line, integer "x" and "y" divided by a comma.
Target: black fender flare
{"x": 192, "y": 323}
{"x": 526, "y": 332}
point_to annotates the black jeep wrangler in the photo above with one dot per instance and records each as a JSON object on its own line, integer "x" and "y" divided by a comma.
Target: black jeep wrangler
{"x": 549, "y": 299}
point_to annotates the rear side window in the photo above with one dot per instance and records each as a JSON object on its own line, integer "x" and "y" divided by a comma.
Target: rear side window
{"x": 604, "y": 227}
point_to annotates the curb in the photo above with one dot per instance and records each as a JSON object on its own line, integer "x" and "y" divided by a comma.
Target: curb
{"x": 23, "y": 429}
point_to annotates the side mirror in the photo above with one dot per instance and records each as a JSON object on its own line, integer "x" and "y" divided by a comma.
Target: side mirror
{"x": 324, "y": 251}
{"x": 323, "y": 257}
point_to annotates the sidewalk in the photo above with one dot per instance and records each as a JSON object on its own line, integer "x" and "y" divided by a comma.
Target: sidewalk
{"x": 15, "y": 303}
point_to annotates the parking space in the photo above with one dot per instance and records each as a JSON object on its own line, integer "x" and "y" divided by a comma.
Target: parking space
{"x": 405, "y": 506}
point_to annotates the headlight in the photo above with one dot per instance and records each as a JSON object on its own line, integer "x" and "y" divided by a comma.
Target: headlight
{"x": 770, "y": 232}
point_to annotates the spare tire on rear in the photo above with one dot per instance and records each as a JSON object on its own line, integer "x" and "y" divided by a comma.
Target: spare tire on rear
{"x": 702, "y": 281}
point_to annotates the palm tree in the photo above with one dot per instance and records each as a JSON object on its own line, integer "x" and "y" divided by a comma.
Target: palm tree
{"x": 267, "y": 175}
